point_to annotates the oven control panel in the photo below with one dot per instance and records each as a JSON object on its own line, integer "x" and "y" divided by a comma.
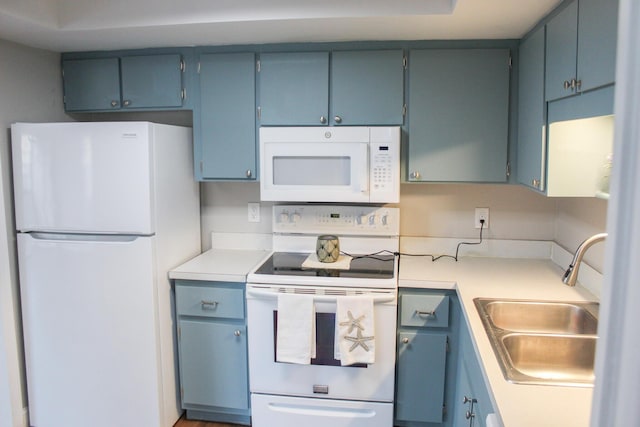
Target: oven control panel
{"x": 352, "y": 220}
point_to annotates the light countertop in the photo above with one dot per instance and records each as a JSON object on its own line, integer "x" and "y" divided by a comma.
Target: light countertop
{"x": 519, "y": 405}
{"x": 221, "y": 265}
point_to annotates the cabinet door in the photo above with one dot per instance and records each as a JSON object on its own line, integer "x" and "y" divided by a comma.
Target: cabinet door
{"x": 561, "y": 52}
{"x": 151, "y": 81}
{"x": 531, "y": 112}
{"x": 458, "y": 115}
{"x": 213, "y": 364}
{"x": 597, "y": 39}
{"x": 420, "y": 376}
{"x": 91, "y": 84}
{"x": 367, "y": 87}
{"x": 294, "y": 88}
{"x": 225, "y": 126}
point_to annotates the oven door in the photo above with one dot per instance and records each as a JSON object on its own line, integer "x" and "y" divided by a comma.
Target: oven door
{"x": 314, "y": 171}
{"x": 324, "y": 378}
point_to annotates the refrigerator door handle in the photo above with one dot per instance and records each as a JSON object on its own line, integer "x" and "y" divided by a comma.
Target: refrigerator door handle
{"x": 73, "y": 237}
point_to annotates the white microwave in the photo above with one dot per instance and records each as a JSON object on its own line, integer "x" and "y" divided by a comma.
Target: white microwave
{"x": 330, "y": 164}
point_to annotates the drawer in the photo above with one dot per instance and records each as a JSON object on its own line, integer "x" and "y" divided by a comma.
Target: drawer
{"x": 209, "y": 301}
{"x": 424, "y": 310}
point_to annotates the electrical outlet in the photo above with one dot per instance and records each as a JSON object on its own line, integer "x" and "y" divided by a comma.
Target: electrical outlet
{"x": 253, "y": 212}
{"x": 482, "y": 213}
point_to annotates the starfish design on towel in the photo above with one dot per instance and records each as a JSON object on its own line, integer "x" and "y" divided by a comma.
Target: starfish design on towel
{"x": 359, "y": 340}
{"x": 353, "y": 323}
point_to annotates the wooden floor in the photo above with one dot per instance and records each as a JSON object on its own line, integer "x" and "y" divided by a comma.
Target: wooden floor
{"x": 182, "y": 422}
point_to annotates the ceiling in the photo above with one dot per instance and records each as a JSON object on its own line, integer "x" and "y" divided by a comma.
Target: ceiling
{"x": 80, "y": 25}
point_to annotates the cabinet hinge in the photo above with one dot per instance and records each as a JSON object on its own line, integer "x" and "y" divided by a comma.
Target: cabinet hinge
{"x": 508, "y": 169}
{"x": 183, "y": 94}
{"x": 404, "y": 110}
{"x": 510, "y": 62}
{"x": 201, "y": 167}
{"x": 181, "y": 393}
{"x": 198, "y": 67}
{"x": 447, "y": 345}
{"x": 179, "y": 333}
{"x": 183, "y": 66}
{"x": 444, "y": 409}
{"x": 259, "y": 112}
{"x": 404, "y": 62}
{"x": 258, "y": 65}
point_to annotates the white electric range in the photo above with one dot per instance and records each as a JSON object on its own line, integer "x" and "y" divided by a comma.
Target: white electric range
{"x": 323, "y": 392}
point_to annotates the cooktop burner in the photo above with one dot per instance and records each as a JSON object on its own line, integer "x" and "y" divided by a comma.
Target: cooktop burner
{"x": 362, "y": 266}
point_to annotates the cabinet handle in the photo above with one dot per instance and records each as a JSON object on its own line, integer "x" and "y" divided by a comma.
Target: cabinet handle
{"x": 126, "y": 103}
{"x": 535, "y": 182}
{"x": 237, "y": 333}
{"x": 578, "y": 84}
{"x": 337, "y": 119}
{"x": 208, "y": 305}
{"x": 114, "y": 103}
{"x": 431, "y": 313}
{"x": 249, "y": 173}
{"x": 405, "y": 340}
{"x": 414, "y": 175}
{"x": 566, "y": 85}
{"x": 469, "y": 415}
{"x": 323, "y": 120}
{"x": 466, "y": 399}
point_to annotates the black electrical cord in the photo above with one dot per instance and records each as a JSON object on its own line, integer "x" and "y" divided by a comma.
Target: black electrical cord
{"x": 436, "y": 258}
{"x": 373, "y": 255}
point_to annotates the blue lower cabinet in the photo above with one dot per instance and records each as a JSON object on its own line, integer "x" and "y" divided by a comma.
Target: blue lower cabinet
{"x": 472, "y": 401}
{"x": 426, "y": 357}
{"x": 212, "y": 344}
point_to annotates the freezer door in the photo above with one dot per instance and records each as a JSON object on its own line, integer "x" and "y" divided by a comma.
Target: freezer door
{"x": 83, "y": 177}
{"x": 91, "y": 346}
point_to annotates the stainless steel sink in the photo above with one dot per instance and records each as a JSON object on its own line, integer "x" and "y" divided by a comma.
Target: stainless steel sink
{"x": 542, "y": 342}
{"x": 544, "y": 317}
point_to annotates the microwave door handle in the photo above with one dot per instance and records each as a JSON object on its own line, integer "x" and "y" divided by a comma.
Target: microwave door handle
{"x": 365, "y": 174}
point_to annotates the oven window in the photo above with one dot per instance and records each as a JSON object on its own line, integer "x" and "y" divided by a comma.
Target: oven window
{"x": 312, "y": 170}
{"x": 325, "y": 338}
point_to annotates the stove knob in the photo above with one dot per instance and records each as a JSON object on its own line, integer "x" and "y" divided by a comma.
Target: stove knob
{"x": 295, "y": 217}
{"x": 385, "y": 219}
{"x": 372, "y": 219}
{"x": 284, "y": 216}
{"x": 361, "y": 219}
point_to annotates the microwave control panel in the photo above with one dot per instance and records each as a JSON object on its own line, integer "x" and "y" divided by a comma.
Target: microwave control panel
{"x": 384, "y": 165}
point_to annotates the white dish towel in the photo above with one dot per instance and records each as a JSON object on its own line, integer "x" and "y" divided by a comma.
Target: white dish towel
{"x": 296, "y": 334}
{"x": 355, "y": 330}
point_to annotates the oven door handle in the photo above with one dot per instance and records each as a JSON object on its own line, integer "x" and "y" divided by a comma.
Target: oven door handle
{"x": 260, "y": 294}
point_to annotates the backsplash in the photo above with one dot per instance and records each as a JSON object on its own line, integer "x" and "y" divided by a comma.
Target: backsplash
{"x": 437, "y": 210}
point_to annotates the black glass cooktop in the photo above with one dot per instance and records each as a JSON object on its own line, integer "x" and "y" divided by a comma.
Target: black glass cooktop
{"x": 362, "y": 266}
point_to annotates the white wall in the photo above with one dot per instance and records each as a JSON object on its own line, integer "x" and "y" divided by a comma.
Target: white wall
{"x": 30, "y": 90}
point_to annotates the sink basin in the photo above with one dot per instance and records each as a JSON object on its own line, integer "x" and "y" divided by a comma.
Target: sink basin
{"x": 555, "y": 358}
{"x": 542, "y": 342}
{"x": 544, "y": 317}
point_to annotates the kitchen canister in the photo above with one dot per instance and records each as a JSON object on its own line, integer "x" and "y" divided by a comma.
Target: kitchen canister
{"x": 328, "y": 248}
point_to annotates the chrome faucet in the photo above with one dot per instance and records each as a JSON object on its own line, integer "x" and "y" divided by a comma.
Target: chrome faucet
{"x": 571, "y": 275}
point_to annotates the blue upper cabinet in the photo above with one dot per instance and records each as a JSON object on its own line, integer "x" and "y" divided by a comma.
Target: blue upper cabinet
{"x": 294, "y": 88}
{"x": 91, "y": 84}
{"x": 458, "y": 115}
{"x": 367, "y": 87}
{"x": 597, "y": 41}
{"x": 581, "y": 48}
{"x": 224, "y": 119}
{"x": 124, "y": 82}
{"x": 531, "y": 112}
{"x": 151, "y": 81}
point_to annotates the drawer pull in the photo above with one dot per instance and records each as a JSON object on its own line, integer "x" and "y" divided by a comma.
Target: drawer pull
{"x": 209, "y": 305}
{"x": 421, "y": 313}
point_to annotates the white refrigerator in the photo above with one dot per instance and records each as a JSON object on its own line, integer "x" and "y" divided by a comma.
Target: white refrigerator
{"x": 103, "y": 212}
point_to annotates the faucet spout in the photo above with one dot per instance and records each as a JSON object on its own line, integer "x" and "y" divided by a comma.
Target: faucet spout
{"x": 571, "y": 275}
